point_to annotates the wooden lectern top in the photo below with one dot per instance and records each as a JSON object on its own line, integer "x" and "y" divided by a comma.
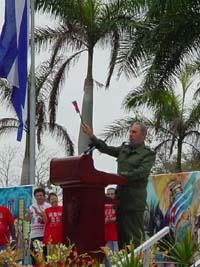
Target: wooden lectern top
{"x": 80, "y": 170}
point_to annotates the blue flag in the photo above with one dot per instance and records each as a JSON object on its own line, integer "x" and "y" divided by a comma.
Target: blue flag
{"x": 13, "y": 55}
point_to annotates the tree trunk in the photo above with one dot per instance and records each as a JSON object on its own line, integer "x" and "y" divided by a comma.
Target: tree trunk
{"x": 87, "y": 104}
{"x": 26, "y": 161}
{"x": 179, "y": 156}
{"x": 25, "y": 166}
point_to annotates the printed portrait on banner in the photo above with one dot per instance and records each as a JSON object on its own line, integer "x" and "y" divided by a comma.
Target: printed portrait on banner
{"x": 173, "y": 200}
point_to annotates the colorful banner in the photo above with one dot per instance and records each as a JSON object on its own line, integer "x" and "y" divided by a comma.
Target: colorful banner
{"x": 17, "y": 199}
{"x": 174, "y": 200}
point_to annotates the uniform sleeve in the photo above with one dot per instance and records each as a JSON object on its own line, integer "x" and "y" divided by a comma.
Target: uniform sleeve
{"x": 104, "y": 148}
{"x": 143, "y": 170}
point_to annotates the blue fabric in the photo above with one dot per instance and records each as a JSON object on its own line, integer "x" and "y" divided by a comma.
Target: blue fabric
{"x": 8, "y": 40}
{"x": 15, "y": 46}
{"x": 3, "y": 247}
{"x": 112, "y": 245}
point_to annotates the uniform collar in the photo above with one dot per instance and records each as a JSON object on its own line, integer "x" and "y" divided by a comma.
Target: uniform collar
{"x": 136, "y": 146}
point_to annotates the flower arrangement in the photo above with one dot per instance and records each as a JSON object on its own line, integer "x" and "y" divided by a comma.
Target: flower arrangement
{"x": 8, "y": 257}
{"x": 171, "y": 253}
{"x": 61, "y": 256}
{"x": 166, "y": 253}
{"x": 125, "y": 257}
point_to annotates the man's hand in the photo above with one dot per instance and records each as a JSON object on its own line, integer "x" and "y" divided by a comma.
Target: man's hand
{"x": 87, "y": 130}
{"x": 39, "y": 212}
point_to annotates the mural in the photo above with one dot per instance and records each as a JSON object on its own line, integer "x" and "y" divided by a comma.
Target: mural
{"x": 18, "y": 199}
{"x": 174, "y": 200}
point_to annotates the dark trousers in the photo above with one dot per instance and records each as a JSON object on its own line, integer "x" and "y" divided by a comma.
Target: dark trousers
{"x": 130, "y": 226}
{"x": 33, "y": 249}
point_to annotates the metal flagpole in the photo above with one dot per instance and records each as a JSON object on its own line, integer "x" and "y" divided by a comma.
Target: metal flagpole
{"x": 32, "y": 100}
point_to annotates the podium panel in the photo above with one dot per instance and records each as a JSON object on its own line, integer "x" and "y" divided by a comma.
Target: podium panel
{"x": 83, "y": 200}
{"x": 83, "y": 221}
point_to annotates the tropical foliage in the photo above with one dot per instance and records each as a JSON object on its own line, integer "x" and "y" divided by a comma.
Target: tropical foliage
{"x": 83, "y": 25}
{"x": 183, "y": 252}
{"x": 171, "y": 117}
{"x": 125, "y": 257}
{"x": 172, "y": 36}
{"x": 153, "y": 36}
{"x": 43, "y": 77}
{"x": 190, "y": 161}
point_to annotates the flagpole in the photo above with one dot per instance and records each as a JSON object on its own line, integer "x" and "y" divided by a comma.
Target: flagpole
{"x": 32, "y": 100}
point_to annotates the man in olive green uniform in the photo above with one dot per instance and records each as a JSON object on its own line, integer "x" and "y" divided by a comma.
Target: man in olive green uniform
{"x": 135, "y": 161}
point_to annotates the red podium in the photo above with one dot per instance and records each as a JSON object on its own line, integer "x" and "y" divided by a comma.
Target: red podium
{"x": 83, "y": 200}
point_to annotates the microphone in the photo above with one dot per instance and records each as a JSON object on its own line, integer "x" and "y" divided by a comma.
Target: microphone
{"x": 89, "y": 149}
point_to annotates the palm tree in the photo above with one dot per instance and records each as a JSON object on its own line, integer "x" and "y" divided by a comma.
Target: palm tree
{"x": 43, "y": 82}
{"x": 173, "y": 35}
{"x": 173, "y": 120}
{"x": 82, "y": 26}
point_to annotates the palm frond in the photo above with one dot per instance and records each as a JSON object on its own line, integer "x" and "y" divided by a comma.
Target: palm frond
{"x": 192, "y": 137}
{"x": 175, "y": 38}
{"x": 5, "y": 93}
{"x": 132, "y": 51}
{"x": 8, "y": 126}
{"x": 61, "y": 135}
{"x": 160, "y": 145}
{"x": 193, "y": 117}
{"x": 98, "y": 84}
{"x": 119, "y": 129}
{"x": 57, "y": 82}
{"x": 49, "y": 6}
{"x": 45, "y": 36}
{"x": 114, "y": 53}
{"x": 172, "y": 145}
{"x": 41, "y": 119}
{"x": 69, "y": 37}
{"x": 44, "y": 78}
{"x": 194, "y": 148}
{"x": 163, "y": 103}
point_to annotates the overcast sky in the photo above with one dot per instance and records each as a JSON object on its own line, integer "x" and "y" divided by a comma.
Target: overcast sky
{"x": 107, "y": 103}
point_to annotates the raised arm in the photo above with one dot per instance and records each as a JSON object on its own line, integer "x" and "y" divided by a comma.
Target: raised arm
{"x": 87, "y": 130}
{"x": 100, "y": 144}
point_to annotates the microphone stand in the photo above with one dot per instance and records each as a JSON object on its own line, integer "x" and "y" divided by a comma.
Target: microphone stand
{"x": 89, "y": 149}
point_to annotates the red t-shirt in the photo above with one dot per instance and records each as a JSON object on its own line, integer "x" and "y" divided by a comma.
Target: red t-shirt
{"x": 6, "y": 218}
{"x": 53, "y": 227}
{"x": 110, "y": 227}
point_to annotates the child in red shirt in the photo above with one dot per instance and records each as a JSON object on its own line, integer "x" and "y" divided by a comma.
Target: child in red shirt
{"x": 53, "y": 221}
